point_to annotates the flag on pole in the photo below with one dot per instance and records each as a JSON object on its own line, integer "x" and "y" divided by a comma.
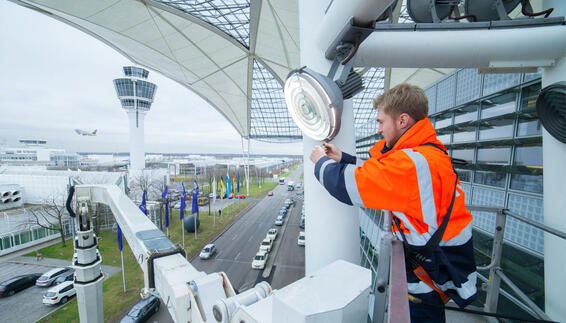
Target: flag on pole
{"x": 195, "y": 197}
{"x": 164, "y": 195}
{"x": 183, "y": 196}
{"x": 142, "y": 205}
{"x": 234, "y": 183}
{"x": 222, "y": 189}
{"x": 238, "y": 182}
{"x": 228, "y": 184}
{"x": 214, "y": 189}
{"x": 119, "y": 237}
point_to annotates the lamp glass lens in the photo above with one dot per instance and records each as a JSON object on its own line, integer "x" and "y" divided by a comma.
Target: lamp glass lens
{"x": 308, "y": 105}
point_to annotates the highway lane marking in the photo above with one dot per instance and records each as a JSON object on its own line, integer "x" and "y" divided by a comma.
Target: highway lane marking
{"x": 234, "y": 261}
{"x": 237, "y": 255}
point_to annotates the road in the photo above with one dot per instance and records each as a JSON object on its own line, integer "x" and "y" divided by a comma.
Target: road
{"x": 239, "y": 244}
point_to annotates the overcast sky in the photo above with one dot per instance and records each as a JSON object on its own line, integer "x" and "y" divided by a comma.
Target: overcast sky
{"x": 54, "y": 78}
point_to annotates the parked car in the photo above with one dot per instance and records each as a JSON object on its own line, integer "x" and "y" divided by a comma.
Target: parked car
{"x": 177, "y": 205}
{"x": 68, "y": 276}
{"x": 282, "y": 213}
{"x": 231, "y": 196}
{"x": 302, "y": 223}
{"x": 59, "y": 294}
{"x": 266, "y": 245}
{"x": 211, "y": 195}
{"x": 13, "y": 285}
{"x": 143, "y": 310}
{"x": 301, "y": 238}
{"x": 272, "y": 234}
{"x": 48, "y": 278}
{"x": 241, "y": 196}
{"x": 260, "y": 260}
{"x": 208, "y": 251}
{"x": 270, "y": 193}
{"x": 279, "y": 220}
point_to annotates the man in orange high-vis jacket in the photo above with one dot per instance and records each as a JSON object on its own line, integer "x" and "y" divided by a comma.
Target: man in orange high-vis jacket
{"x": 410, "y": 175}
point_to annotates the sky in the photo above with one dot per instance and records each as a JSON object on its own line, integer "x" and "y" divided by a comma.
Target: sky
{"x": 54, "y": 79}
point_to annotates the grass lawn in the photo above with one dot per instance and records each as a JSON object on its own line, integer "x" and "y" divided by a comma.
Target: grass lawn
{"x": 116, "y": 301}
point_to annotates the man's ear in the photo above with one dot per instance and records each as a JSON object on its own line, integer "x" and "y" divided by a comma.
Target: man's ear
{"x": 404, "y": 120}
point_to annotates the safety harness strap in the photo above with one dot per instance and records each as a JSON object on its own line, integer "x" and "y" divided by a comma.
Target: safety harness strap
{"x": 416, "y": 259}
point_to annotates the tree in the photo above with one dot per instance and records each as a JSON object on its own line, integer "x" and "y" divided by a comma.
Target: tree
{"x": 149, "y": 181}
{"x": 50, "y": 214}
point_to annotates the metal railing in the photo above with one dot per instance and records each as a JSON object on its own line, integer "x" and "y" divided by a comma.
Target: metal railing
{"x": 390, "y": 291}
{"x": 391, "y": 303}
{"x": 496, "y": 274}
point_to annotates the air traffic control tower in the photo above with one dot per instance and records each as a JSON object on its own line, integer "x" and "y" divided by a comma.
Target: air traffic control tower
{"x": 136, "y": 95}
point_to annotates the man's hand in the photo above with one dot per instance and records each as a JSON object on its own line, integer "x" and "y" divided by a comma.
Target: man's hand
{"x": 316, "y": 154}
{"x": 333, "y": 152}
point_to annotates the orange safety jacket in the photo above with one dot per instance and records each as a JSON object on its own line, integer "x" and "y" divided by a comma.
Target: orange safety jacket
{"x": 415, "y": 184}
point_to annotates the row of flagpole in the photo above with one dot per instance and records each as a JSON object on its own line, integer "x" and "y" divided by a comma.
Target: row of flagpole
{"x": 194, "y": 209}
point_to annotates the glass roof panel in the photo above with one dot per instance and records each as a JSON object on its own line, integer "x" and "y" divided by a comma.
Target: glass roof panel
{"x": 270, "y": 120}
{"x": 230, "y": 16}
{"x": 373, "y": 80}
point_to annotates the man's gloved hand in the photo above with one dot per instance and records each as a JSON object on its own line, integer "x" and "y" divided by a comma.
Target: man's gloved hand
{"x": 333, "y": 152}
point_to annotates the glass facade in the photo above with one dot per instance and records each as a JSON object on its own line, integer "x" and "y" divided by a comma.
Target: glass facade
{"x": 490, "y": 121}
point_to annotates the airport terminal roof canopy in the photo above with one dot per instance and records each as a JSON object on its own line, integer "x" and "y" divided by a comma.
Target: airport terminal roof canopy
{"x": 233, "y": 53}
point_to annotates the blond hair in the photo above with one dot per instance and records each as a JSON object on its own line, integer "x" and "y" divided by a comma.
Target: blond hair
{"x": 403, "y": 98}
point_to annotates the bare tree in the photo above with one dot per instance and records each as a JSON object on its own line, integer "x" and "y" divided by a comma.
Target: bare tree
{"x": 147, "y": 181}
{"x": 49, "y": 215}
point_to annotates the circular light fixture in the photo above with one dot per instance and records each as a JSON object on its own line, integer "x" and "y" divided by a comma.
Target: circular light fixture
{"x": 551, "y": 110}
{"x": 314, "y": 102}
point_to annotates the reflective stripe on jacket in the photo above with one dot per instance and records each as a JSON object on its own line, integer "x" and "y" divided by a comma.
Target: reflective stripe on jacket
{"x": 415, "y": 183}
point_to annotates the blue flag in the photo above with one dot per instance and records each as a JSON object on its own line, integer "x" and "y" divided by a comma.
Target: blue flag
{"x": 167, "y": 212}
{"x": 183, "y": 201}
{"x": 119, "y": 237}
{"x": 164, "y": 195}
{"x": 195, "y": 197}
{"x": 238, "y": 185}
{"x": 142, "y": 205}
{"x": 229, "y": 185}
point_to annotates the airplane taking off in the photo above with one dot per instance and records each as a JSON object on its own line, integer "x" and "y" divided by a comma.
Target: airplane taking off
{"x": 86, "y": 133}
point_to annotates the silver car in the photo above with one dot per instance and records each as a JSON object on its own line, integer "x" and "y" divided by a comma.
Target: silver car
{"x": 208, "y": 251}
{"x": 48, "y": 278}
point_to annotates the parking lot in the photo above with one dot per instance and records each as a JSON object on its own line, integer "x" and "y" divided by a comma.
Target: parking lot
{"x": 27, "y": 305}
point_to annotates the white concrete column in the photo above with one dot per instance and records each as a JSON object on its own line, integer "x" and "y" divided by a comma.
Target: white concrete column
{"x": 553, "y": 156}
{"x": 137, "y": 150}
{"x": 332, "y": 228}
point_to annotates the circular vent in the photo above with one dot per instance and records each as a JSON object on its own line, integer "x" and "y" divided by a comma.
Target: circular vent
{"x": 551, "y": 110}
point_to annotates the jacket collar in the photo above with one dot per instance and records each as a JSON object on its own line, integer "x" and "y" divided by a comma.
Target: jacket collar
{"x": 420, "y": 133}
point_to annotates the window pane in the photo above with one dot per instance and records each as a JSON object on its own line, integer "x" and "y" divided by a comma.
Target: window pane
{"x": 490, "y": 178}
{"x": 496, "y": 128}
{"x": 528, "y": 183}
{"x": 464, "y": 175}
{"x": 499, "y": 105}
{"x": 529, "y": 97}
{"x": 530, "y": 156}
{"x": 494, "y": 156}
{"x": 465, "y": 154}
{"x": 467, "y": 113}
{"x": 529, "y": 125}
{"x": 443, "y": 121}
{"x": 465, "y": 134}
